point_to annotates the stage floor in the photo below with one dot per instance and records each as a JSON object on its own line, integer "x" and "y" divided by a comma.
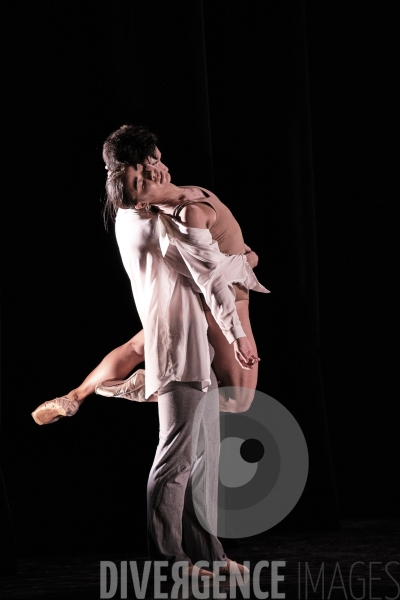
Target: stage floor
{"x": 372, "y": 544}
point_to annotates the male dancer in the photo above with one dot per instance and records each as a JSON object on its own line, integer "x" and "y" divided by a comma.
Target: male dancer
{"x": 177, "y": 352}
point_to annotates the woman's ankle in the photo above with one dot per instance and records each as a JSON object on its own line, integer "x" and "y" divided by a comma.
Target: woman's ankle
{"x": 76, "y": 396}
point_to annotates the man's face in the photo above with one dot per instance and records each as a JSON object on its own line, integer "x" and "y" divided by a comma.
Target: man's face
{"x": 156, "y": 162}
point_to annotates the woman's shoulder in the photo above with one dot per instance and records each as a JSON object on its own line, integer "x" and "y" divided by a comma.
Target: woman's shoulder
{"x": 198, "y": 214}
{"x": 200, "y": 194}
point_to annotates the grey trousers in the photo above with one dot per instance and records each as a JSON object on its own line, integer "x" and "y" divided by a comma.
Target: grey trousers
{"x": 182, "y": 491}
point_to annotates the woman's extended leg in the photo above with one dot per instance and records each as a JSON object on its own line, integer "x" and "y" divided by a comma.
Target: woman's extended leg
{"x": 118, "y": 364}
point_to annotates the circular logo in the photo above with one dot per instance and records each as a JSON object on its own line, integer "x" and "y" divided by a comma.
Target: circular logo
{"x": 250, "y": 467}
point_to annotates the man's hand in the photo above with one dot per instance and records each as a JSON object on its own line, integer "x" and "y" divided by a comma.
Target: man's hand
{"x": 245, "y": 353}
{"x": 252, "y": 257}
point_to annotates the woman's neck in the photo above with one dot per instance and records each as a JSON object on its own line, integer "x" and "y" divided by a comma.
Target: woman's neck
{"x": 174, "y": 196}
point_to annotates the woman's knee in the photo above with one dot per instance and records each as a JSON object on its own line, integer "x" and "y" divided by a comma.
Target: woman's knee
{"x": 238, "y": 399}
{"x": 136, "y": 346}
{"x": 244, "y": 399}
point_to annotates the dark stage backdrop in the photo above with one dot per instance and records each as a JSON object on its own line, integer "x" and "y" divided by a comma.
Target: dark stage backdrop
{"x": 257, "y": 105}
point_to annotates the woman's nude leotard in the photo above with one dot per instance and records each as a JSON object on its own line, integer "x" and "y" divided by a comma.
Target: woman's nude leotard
{"x": 226, "y": 231}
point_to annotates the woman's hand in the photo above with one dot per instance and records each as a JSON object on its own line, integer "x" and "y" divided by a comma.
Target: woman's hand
{"x": 252, "y": 257}
{"x": 245, "y": 353}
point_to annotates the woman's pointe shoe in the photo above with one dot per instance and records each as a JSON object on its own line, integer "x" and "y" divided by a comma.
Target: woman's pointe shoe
{"x": 51, "y": 411}
{"x": 131, "y": 388}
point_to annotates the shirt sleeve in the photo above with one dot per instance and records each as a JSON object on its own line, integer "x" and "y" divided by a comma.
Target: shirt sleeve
{"x": 206, "y": 265}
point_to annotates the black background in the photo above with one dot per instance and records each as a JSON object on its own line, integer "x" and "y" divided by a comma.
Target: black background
{"x": 271, "y": 105}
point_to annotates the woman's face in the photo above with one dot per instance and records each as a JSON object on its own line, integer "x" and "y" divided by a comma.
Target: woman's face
{"x": 147, "y": 185}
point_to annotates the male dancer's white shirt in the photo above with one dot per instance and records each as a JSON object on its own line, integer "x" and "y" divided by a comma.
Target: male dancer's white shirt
{"x": 168, "y": 264}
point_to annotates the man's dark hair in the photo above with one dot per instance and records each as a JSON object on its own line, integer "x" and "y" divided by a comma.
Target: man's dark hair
{"x": 128, "y": 145}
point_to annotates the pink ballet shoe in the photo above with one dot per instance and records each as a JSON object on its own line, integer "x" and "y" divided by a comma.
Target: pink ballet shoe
{"x": 131, "y": 388}
{"x": 53, "y": 410}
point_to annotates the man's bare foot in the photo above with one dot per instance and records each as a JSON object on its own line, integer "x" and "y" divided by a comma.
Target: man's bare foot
{"x": 193, "y": 572}
{"x": 233, "y": 567}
